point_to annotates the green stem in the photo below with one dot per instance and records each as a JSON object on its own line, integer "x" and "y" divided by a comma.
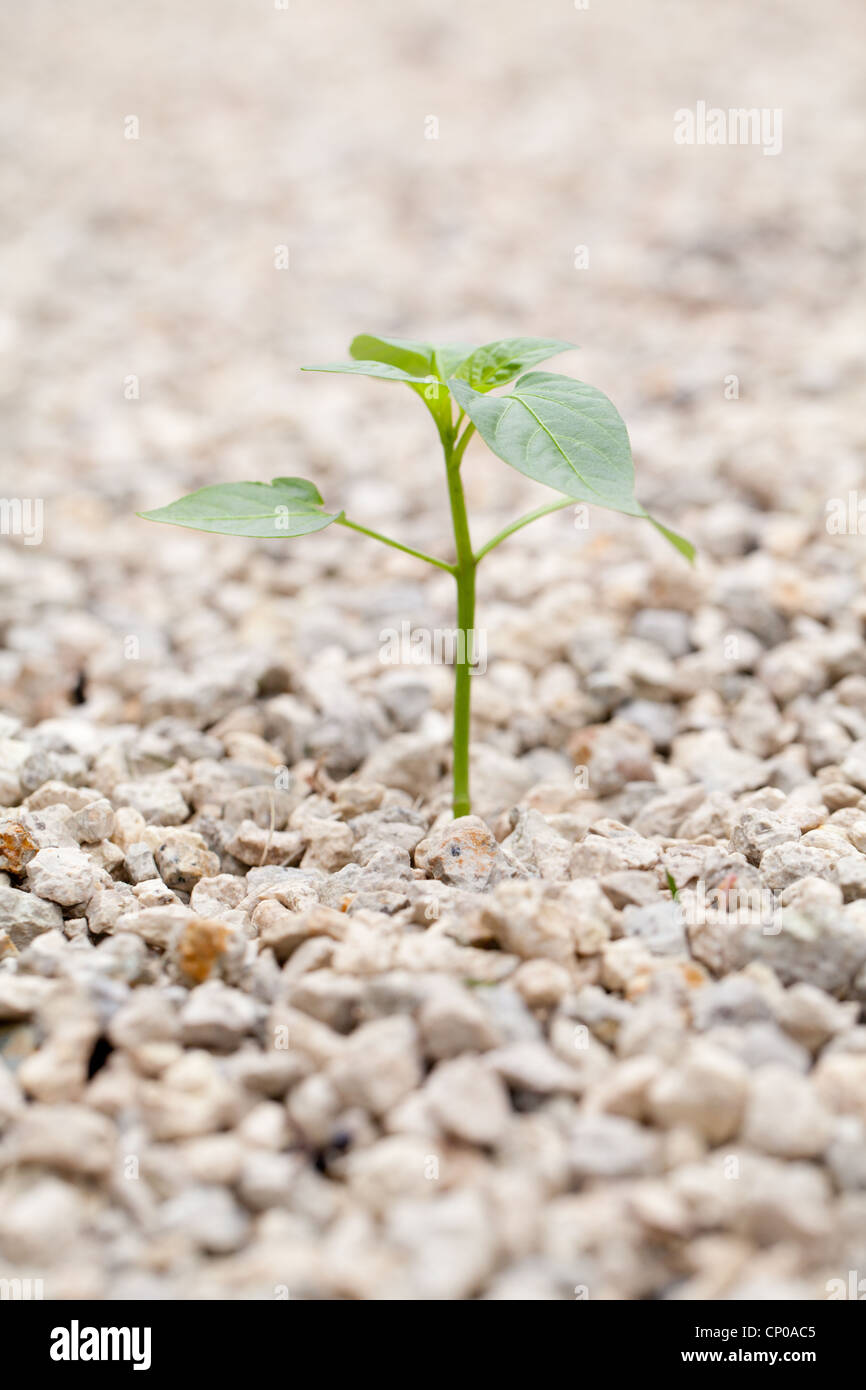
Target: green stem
{"x": 464, "y": 573}
{"x": 396, "y": 545}
{"x": 523, "y": 521}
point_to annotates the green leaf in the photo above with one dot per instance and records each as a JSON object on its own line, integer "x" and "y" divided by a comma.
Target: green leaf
{"x": 678, "y": 542}
{"x": 385, "y": 370}
{"x": 447, "y": 358}
{"x": 419, "y": 365}
{"x": 415, "y": 359}
{"x": 496, "y": 363}
{"x": 270, "y": 511}
{"x": 564, "y": 434}
{"x": 440, "y": 359}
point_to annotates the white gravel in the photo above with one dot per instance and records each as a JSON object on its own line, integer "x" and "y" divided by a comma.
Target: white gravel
{"x": 269, "y": 1020}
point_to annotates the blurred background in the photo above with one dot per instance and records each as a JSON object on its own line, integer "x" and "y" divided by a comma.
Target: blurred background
{"x": 197, "y": 199}
{"x": 161, "y": 160}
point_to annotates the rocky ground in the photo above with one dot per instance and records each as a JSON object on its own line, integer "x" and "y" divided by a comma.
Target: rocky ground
{"x": 271, "y": 1024}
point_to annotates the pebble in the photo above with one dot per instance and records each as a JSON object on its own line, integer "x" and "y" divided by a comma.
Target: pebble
{"x": 378, "y": 1065}
{"x": 24, "y": 916}
{"x": 705, "y": 1091}
{"x": 784, "y": 1116}
{"x": 270, "y": 1019}
{"x": 468, "y": 1100}
{"x": 464, "y": 854}
{"x": 64, "y": 876}
{"x": 182, "y": 862}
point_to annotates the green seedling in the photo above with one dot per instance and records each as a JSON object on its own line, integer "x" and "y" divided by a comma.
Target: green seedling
{"x": 555, "y": 430}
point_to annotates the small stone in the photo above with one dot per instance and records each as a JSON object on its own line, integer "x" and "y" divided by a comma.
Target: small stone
{"x": 23, "y": 915}
{"x": 389, "y": 1171}
{"x": 755, "y": 832}
{"x": 610, "y": 1146}
{"x": 850, "y": 874}
{"x": 282, "y": 931}
{"x": 534, "y": 919}
{"x": 452, "y": 1021}
{"x": 17, "y": 847}
{"x": 107, "y": 906}
{"x": 182, "y": 864}
{"x": 21, "y": 996}
{"x": 140, "y": 863}
{"x": 631, "y": 887}
{"x": 784, "y": 1116}
{"x": 661, "y": 926}
{"x": 532, "y": 1066}
{"x": 846, "y": 1153}
{"x": 41, "y": 1220}
{"x": 149, "y": 1015}
{"x": 64, "y": 876}
{"x": 94, "y": 822}
{"x": 813, "y": 1017}
{"x": 610, "y": 847}
{"x": 705, "y": 1090}
{"x": 314, "y": 1105}
{"x": 268, "y": 1179}
{"x": 853, "y": 767}
{"x": 614, "y": 754}
{"x": 464, "y": 854}
{"x": 378, "y": 1064}
{"x": 330, "y": 844}
{"x": 207, "y": 1216}
{"x": 202, "y": 943}
{"x": 542, "y": 983}
{"x": 468, "y": 1101}
{"x": 254, "y": 845}
{"x": 331, "y": 998}
{"x": 412, "y": 762}
{"x": 218, "y": 1017}
{"x": 159, "y": 802}
{"x": 784, "y": 864}
{"x": 624, "y": 1089}
{"x": 840, "y": 1081}
{"x": 451, "y": 1247}
{"x": 537, "y": 846}
{"x": 191, "y": 1097}
{"x": 72, "y": 1138}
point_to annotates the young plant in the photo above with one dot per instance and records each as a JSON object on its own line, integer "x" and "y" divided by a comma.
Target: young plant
{"x": 557, "y": 431}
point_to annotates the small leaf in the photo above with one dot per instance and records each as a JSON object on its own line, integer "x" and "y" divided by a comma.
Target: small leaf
{"x": 678, "y": 542}
{"x": 564, "y": 434}
{"x": 414, "y": 358}
{"x": 420, "y": 365}
{"x": 384, "y": 370}
{"x": 427, "y": 359}
{"x": 560, "y": 432}
{"x": 496, "y": 363}
{"x": 447, "y": 358}
{"x": 270, "y": 511}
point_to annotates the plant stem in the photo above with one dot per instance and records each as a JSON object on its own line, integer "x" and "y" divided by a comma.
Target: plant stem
{"x": 524, "y": 521}
{"x": 396, "y": 545}
{"x": 464, "y": 574}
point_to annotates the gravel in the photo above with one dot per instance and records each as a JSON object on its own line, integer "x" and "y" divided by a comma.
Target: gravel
{"x": 270, "y": 1021}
